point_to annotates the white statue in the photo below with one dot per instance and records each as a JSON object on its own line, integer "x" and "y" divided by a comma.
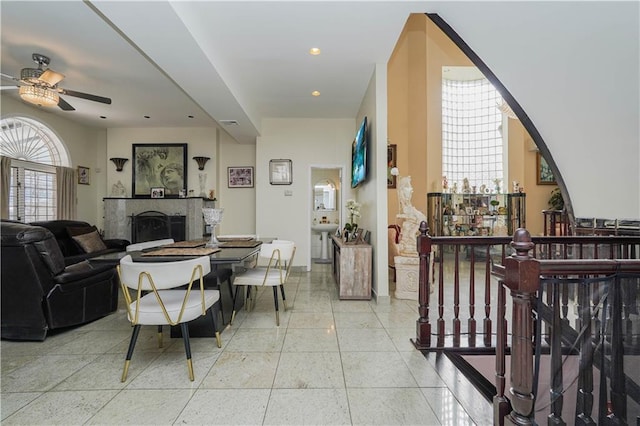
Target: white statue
{"x": 202, "y": 180}
{"x": 118, "y": 190}
{"x": 412, "y": 218}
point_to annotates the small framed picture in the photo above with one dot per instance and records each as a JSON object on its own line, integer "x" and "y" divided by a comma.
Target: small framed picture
{"x": 391, "y": 163}
{"x": 157, "y": 192}
{"x": 240, "y": 177}
{"x": 280, "y": 172}
{"x": 544, "y": 173}
{"x": 84, "y": 175}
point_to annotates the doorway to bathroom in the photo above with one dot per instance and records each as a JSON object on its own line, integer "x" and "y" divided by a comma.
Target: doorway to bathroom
{"x": 325, "y": 216}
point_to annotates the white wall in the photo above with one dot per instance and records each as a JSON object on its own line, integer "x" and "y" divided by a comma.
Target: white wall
{"x": 372, "y": 194}
{"x": 306, "y": 142}
{"x": 574, "y": 67}
{"x": 86, "y": 147}
{"x": 239, "y": 203}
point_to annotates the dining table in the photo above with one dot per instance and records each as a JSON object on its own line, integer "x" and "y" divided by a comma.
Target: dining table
{"x": 235, "y": 254}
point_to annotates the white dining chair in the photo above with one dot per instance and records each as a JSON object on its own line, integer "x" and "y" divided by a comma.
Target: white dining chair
{"x": 278, "y": 257}
{"x": 156, "y": 299}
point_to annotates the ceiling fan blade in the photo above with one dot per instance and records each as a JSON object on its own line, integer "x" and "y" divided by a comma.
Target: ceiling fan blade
{"x": 9, "y": 77}
{"x": 9, "y": 87}
{"x": 51, "y": 77}
{"x": 94, "y": 98}
{"x": 64, "y": 105}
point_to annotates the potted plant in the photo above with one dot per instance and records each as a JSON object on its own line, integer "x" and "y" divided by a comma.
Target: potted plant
{"x": 556, "y": 202}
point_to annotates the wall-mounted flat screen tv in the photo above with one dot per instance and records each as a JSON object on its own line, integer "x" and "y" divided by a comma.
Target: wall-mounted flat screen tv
{"x": 359, "y": 155}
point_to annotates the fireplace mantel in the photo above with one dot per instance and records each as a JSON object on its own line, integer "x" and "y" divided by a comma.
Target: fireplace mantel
{"x": 118, "y": 212}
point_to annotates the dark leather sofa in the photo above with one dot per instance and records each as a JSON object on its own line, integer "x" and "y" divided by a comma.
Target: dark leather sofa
{"x": 71, "y": 251}
{"x": 40, "y": 292}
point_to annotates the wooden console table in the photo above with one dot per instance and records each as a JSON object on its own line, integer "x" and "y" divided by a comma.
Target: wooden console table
{"x": 352, "y": 269}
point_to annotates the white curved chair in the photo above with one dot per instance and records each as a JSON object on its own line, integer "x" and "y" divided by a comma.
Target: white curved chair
{"x": 279, "y": 257}
{"x": 149, "y": 244}
{"x": 156, "y": 301}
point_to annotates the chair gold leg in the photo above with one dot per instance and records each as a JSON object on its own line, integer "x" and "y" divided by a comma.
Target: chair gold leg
{"x": 125, "y": 371}
{"x": 190, "y": 367}
{"x": 218, "y": 340}
{"x": 233, "y": 316}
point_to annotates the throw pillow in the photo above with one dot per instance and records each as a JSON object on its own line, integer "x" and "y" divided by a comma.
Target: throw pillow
{"x": 90, "y": 242}
{"x": 80, "y": 230}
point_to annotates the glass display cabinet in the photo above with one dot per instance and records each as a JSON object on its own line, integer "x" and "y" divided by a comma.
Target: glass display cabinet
{"x": 457, "y": 214}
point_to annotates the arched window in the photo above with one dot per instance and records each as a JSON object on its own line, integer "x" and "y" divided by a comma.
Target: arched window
{"x": 34, "y": 150}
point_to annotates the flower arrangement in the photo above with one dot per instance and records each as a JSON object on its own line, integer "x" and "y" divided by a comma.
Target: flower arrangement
{"x": 354, "y": 212}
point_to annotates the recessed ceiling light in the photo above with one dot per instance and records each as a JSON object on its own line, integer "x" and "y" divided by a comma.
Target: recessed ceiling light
{"x": 146, "y": 116}
{"x": 103, "y": 117}
{"x": 315, "y": 93}
{"x": 190, "y": 116}
{"x": 314, "y": 51}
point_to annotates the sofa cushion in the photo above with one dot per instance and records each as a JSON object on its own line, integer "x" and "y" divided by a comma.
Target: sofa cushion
{"x": 90, "y": 242}
{"x": 50, "y": 253}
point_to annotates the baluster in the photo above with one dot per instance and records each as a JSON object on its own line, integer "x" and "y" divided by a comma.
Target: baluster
{"x": 456, "y": 298}
{"x": 565, "y": 302}
{"x": 501, "y": 406}
{"x": 441, "y": 323}
{"x": 471, "y": 324}
{"x": 487, "y": 299}
{"x": 423, "y": 328}
{"x": 555, "y": 392}
{"x": 596, "y": 324}
{"x": 584, "y": 397}
{"x": 522, "y": 277}
{"x": 618, "y": 392}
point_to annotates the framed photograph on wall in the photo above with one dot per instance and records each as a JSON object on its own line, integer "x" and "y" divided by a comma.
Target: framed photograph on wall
{"x": 240, "y": 177}
{"x": 543, "y": 171}
{"x": 280, "y": 172}
{"x": 84, "y": 175}
{"x": 391, "y": 163}
{"x": 159, "y": 166}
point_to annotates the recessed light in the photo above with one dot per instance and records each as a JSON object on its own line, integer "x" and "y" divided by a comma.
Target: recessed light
{"x": 103, "y": 117}
{"x": 314, "y": 51}
{"x": 315, "y": 93}
{"x": 146, "y": 116}
{"x": 190, "y": 116}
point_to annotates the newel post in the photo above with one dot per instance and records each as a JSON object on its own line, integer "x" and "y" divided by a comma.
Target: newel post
{"x": 423, "y": 327}
{"x": 522, "y": 277}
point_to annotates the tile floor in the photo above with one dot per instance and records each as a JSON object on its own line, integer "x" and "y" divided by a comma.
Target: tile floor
{"x": 330, "y": 362}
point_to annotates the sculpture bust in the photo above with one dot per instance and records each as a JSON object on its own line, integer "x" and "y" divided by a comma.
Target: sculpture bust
{"x": 118, "y": 190}
{"x": 411, "y": 218}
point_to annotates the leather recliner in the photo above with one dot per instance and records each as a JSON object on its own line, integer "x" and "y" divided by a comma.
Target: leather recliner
{"x": 41, "y": 293}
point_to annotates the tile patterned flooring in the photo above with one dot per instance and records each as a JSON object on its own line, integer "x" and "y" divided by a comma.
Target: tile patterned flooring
{"x": 329, "y": 362}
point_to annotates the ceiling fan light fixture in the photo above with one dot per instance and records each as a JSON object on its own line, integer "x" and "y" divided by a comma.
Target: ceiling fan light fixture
{"x": 39, "y": 96}
{"x": 30, "y": 75}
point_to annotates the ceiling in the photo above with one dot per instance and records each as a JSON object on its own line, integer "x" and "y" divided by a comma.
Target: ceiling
{"x": 211, "y": 60}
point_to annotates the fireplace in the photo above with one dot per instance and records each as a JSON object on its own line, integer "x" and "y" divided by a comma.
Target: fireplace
{"x": 184, "y": 214}
{"x": 155, "y": 225}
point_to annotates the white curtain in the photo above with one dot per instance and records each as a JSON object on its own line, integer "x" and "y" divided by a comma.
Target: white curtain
{"x": 67, "y": 192}
{"x": 5, "y": 182}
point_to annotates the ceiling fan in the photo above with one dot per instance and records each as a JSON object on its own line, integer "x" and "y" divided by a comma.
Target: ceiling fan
{"x": 39, "y": 86}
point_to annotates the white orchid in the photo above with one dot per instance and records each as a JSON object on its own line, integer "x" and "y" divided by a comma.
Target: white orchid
{"x": 354, "y": 210}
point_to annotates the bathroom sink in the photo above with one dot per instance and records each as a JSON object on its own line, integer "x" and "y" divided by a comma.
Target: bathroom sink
{"x": 325, "y": 227}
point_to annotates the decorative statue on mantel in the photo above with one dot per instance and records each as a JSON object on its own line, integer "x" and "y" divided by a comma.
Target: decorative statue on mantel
{"x": 118, "y": 190}
{"x": 412, "y": 218}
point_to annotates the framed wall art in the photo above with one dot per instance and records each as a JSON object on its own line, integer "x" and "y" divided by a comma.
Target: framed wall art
{"x": 391, "y": 163}
{"x": 84, "y": 175}
{"x": 159, "y": 166}
{"x": 543, "y": 171}
{"x": 240, "y": 177}
{"x": 280, "y": 172}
